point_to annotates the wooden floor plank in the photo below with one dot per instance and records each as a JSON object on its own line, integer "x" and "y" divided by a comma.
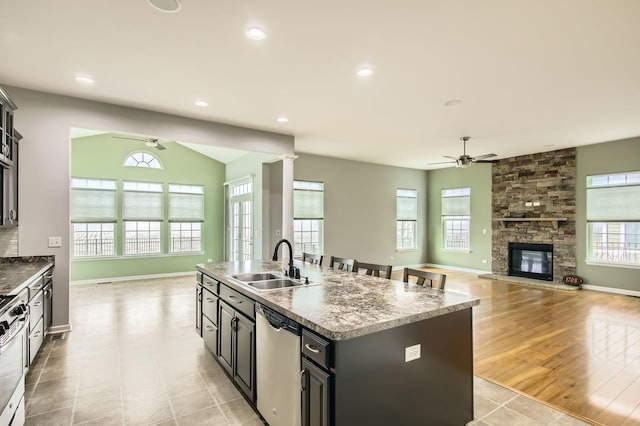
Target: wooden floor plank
{"x": 578, "y": 351}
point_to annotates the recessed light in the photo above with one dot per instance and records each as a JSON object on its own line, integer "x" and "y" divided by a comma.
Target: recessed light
{"x": 453, "y": 102}
{"x": 168, "y": 6}
{"x": 84, "y": 79}
{"x": 283, "y": 119}
{"x": 201, "y": 103}
{"x": 365, "y": 71}
{"x": 255, "y": 33}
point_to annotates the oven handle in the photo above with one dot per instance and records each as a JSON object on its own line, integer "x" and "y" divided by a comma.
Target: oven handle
{"x": 25, "y": 321}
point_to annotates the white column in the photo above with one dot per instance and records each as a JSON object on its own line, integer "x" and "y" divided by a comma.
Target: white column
{"x": 287, "y": 196}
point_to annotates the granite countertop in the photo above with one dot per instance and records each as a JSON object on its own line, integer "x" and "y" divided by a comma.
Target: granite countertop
{"x": 16, "y": 272}
{"x": 345, "y": 305}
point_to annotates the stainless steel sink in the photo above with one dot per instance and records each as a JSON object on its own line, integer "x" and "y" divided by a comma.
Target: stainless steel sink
{"x": 264, "y": 281}
{"x": 274, "y": 284}
{"x": 259, "y": 276}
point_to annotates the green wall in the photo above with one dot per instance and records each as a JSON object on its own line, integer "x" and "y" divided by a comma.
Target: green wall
{"x": 478, "y": 178}
{"x": 102, "y": 156}
{"x": 610, "y": 157}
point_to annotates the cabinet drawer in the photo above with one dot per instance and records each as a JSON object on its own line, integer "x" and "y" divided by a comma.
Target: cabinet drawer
{"x": 238, "y": 301}
{"x": 36, "y": 309}
{"x": 35, "y": 286}
{"x": 316, "y": 348}
{"x": 35, "y": 339}
{"x": 210, "y": 284}
{"x": 210, "y": 306}
{"x": 210, "y": 335}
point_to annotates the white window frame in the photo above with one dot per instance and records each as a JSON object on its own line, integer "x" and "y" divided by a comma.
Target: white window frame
{"x": 406, "y": 222}
{"x": 613, "y": 219}
{"x": 455, "y": 218}
{"x": 308, "y": 224}
{"x": 142, "y": 159}
{"x": 186, "y": 224}
{"x": 105, "y": 189}
{"x": 131, "y": 217}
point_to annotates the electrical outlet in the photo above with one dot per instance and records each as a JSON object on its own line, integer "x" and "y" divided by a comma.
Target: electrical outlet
{"x": 528, "y": 204}
{"x": 55, "y": 242}
{"x": 209, "y": 260}
{"x": 485, "y": 261}
{"x": 536, "y": 203}
{"x": 391, "y": 258}
{"x": 484, "y": 231}
{"x": 411, "y": 353}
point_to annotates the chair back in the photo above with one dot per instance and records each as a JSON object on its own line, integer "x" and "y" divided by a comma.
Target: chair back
{"x": 315, "y": 259}
{"x": 342, "y": 263}
{"x": 434, "y": 279}
{"x": 374, "y": 269}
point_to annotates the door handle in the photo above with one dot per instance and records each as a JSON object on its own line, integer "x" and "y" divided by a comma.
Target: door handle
{"x": 302, "y": 381}
{"x": 234, "y": 299}
{"x": 208, "y": 327}
{"x": 210, "y": 300}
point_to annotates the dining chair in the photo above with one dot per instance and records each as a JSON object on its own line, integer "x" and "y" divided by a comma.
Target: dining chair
{"x": 435, "y": 280}
{"x": 374, "y": 269}
{"x": 342, "y": 263}
{"x": 314, "y": 259}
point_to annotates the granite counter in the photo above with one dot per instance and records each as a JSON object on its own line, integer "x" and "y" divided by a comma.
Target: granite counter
{"x": 16, "y": 272}
{"x": 343, "y": 305}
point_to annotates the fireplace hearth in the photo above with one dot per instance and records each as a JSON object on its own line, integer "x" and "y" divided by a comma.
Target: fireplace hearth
{"x": 531, "y": 261}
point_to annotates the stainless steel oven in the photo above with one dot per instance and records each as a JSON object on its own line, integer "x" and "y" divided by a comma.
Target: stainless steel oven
{"x": 14, "y": 322}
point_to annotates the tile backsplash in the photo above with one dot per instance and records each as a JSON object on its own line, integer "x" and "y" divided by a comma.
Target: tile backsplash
{"x": 8, "y": 241}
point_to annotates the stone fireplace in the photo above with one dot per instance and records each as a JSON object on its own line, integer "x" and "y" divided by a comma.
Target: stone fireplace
{"x": 534, "y": 202}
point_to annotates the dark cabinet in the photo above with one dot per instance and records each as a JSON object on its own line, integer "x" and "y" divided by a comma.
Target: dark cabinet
{"x": 207, "y": 290}
{"x": 316, "y": 387}
{"x": 9, "y": 139}
{"x": 237, "y": 347}
{"x": 199, "y": 309}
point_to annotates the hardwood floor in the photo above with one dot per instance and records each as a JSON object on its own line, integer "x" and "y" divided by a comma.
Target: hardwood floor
{"x": 578, "y": 351}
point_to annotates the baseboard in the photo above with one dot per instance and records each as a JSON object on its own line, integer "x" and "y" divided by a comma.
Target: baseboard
{"x": 59, "y": 329}
{"x": 602, "y": 289}
{"x": 134, "y": 277}
{"x": 456, "y": 268}
{"x": 401, "y": 267}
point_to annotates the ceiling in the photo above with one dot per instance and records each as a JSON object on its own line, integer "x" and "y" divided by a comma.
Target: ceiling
{"x": 532, "y": 75}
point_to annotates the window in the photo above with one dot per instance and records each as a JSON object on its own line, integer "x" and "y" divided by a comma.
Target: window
{"x": 186, "y": 214}
{"x": 456, "y": 218}
{"x": 142, "y": 213}
{"x": 406, "y": 219}
{"x": 142, "y": 159}
{"x": 308, "y": 217}
{"x": 613, "y": 218}
{"x": 93, "y": 214}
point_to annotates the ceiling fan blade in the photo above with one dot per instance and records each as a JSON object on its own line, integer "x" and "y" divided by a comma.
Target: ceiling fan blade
{"x": 129, "y": 139}
{"x": 443, "y": 162}
{"x": 160, "y": 147}
{"x": 482, "y": 157}
{"x": 486, "y": 161}
{"x": 448, "y": 156}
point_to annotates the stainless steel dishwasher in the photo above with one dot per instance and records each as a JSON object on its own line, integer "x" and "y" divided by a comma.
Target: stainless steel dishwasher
{"x": 277, "y": 367}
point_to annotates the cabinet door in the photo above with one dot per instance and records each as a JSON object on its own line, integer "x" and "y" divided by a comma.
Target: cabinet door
{"x": 244, "y": 371}
{"x": 199, "y": 309}
{"x": 210, "y": 335}
{"x": 226, "y": 340}
{"x": 315, "y": 395}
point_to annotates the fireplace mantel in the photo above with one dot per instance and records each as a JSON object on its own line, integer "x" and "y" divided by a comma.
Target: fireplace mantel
{"x": 554, "y": 220}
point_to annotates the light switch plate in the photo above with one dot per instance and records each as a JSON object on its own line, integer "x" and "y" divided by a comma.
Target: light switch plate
{"x": 411, "y": 353}
{"x": 55, "y": 242}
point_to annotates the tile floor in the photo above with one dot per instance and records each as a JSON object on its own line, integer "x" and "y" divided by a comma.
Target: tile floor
{"x": 133, "y": 358}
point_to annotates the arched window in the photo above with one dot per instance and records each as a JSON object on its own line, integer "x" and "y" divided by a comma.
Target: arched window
{"x": 142, "y": 159}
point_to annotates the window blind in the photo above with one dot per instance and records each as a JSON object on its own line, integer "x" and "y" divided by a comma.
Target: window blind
{"x": 615, "y": 203}
{"x": 186, "y": 203}
{"x": 93, "y": 201}
{"x": 142, "y": 201}
{"x": 456, "y": 202}
{"x": 308, "y": 203}
{"x": 407, "y": 204}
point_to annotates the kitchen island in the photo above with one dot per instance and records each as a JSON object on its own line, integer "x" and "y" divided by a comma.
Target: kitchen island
{"x": 390, "y": 352}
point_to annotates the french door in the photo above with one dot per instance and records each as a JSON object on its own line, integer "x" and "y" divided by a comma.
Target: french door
{"x": 240, "y": 222}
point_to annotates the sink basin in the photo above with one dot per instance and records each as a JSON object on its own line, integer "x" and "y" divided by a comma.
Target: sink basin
{"x": 260, "y": 276}
{"x": 274, "y": 284}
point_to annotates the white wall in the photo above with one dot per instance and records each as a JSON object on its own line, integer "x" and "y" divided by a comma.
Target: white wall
{"x": 45, "y": 120}
{"x": 360, "y": 208}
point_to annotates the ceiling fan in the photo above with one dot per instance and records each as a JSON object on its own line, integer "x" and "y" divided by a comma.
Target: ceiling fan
{"x": 150, "y": 142}
{"x": 466, "y": 160}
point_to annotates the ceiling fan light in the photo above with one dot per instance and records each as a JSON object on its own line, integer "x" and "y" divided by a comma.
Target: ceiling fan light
{"x": 151, "y": 143}
{"x": 168, "y": 6}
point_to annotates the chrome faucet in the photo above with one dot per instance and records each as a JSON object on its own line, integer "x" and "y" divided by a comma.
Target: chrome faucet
{"x": 293, "y": 271}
